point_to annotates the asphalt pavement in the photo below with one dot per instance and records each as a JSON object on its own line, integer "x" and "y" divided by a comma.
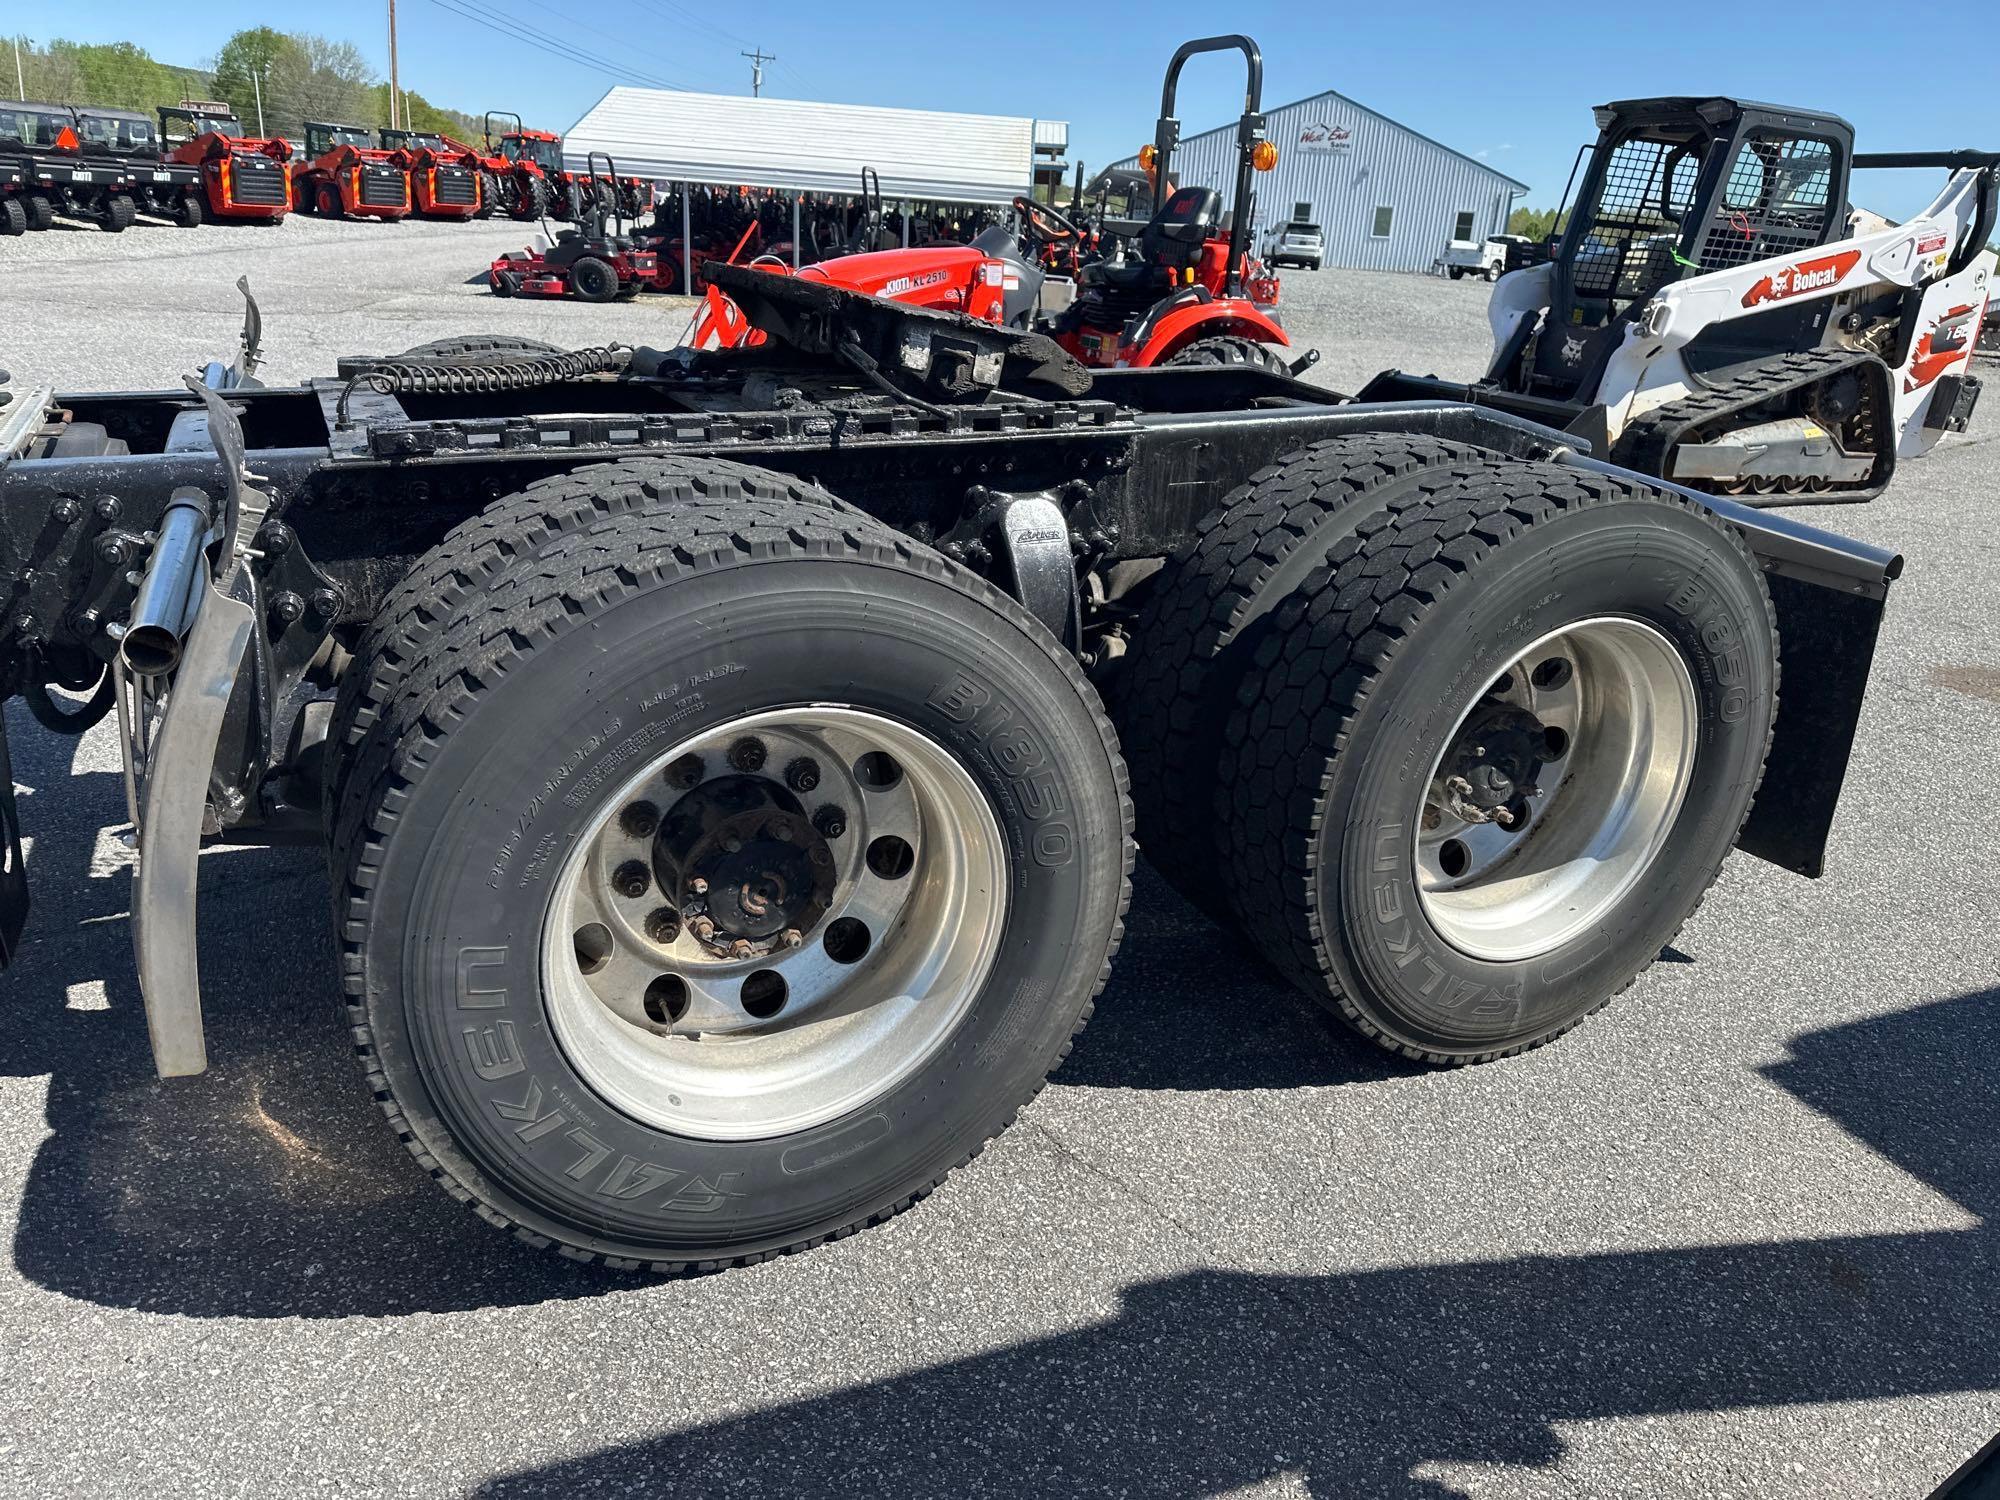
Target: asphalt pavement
{"x": 1735, "y": 1236}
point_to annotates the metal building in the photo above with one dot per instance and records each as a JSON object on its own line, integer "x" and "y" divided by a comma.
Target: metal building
{"x": 1385, "y": 197}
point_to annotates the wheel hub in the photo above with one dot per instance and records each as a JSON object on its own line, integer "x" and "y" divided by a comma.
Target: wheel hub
{"x": 745, "y": 863}
{"x": 1493, "y": 765}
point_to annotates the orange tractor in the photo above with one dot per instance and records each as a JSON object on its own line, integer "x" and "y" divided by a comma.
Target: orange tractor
{"x": 527, "y": 179}
{"x": 445, "y": 176}
{"x": 1180, "y": 289}
{"x": 344, "y": 175}
{"x": 243, "y": 178}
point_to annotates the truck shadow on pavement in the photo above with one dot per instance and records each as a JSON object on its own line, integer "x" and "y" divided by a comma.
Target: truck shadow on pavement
{"x": 1359, "y": 1384}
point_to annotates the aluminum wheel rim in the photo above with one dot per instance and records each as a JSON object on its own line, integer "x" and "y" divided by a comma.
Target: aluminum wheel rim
{"x": 1619, "y": 729}
{"x": 674, "y": 1027}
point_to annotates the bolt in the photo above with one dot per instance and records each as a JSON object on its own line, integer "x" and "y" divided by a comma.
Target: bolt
{"x": 748, "y": 754}
{"x": 830, "y": 821}
{"x": 793, "y": 937}
{"x": 287, "y": 605}
{"x": 702, "y": 928}
{"x": 663, "y": 925}
{"x": 112, "y": 549}
{"x": 685, "y": 772}
{"x": 639, "y": 820}
{"x": 740, "y": 949}
{"x": 978, "y": 554}
{"x": 955, "y": 551}
{"x": 699, "y": 885}
{"x": 66, "y": 510}
{"x": 110, "y": 508}
{"x": 325, "y": 603}
{"x": 1432, "y": 817}
{"x": 802, "y": 775}
{"x": 275, "y": 537}
{"x": 24, "y": 624}
{"x": 632, "y": 880}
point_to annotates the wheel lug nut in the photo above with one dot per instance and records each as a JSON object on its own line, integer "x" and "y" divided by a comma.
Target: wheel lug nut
{"x": 802, "y": 775}
{"x": 793, "y": 937}
{"x": 748, "y": 754}
{"x": 699, "y": 885}
{"x": 740, "y": 948}
{"x": 663, "y": 925}
{"x": 830, "y": 821}
{"x": 632, "y": 879}
{"x": 702, "y": 928}
{"x": 685, "y": 772}
{"x": 639, "y": 820}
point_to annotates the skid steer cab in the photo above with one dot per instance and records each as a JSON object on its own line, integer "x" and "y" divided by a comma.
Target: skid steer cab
{"x": 243, "y": 178}
{"x": 1717, "y": 313}
{"x": 344, "y": 175}
{"x": 445, "y": 177}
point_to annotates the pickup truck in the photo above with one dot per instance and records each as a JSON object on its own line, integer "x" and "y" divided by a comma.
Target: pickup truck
{"x": 1487, "y": 258}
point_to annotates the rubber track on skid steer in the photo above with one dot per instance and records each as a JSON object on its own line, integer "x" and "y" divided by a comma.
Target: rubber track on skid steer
{"x": 1648, "y": 442}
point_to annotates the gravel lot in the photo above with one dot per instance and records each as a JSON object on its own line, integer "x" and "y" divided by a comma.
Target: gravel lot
{"x": 1734, "y": 1237}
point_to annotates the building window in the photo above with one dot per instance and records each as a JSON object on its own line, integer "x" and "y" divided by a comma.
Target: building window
{"x": 1384, "y": 217}
{"x": 1302, "y": 213}
{"x": 1462, "y": 230}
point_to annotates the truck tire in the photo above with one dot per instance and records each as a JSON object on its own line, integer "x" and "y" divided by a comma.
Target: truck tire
{"x": 13, "y": 217}
{"x": 119, "y": 212}
{"x": 569, "y": 1055}
{"x": 1458, "y": 273}
{"x": 1211, "y": 607}
{"x": 1473, "y": 651}
{"x": 190, "y": 212}
{"x": 1238, "y": 353}
{"x": 480, "y": 348}
{"x": 41, "y": 210}
{"x": 1492, "y": 273}
{"x": 592, "y": 279}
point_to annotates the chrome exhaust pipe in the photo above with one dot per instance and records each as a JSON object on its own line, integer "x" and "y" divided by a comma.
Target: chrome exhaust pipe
{"x": 170, "y": 589}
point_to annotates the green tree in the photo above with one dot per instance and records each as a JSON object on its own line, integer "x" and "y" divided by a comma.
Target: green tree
{"x": 1535, "y": 223}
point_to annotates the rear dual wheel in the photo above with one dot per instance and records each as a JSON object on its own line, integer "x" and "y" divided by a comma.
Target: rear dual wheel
{"x": 718, "y": 870}
{"x": 1483, "y": 759}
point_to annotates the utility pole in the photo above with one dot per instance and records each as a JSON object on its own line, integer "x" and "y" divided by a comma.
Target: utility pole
{"x": 257, "y": 87}
{"x": 757, "y": 61}
{"x": 394, "y": 119}
{"x": 20, "y": 83}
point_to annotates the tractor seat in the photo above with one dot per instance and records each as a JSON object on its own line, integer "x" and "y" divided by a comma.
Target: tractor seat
{"x": 1174, "y": 236}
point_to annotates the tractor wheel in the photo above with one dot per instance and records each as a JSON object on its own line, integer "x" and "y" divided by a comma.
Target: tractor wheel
{"x": 190, "y": 212}
{"x": 1492, "y": 753}
{"x": 13, "y": 217}
{"x": 1211, "y": 607}
{"x": 691, "y": 978}
{"x": 119, "y": 212}
{"x": 668, "y": 273}
{"x": 1240, "y": 353}
{"x": 41, "y": 211}
{"x": 489, "y": 196}
{"x": 480, "y": 349}
{"x": 592, "y": 280}
{"x": 327, "y": 204}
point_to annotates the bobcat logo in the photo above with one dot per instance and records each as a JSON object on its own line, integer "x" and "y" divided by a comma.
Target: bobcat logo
{"x": 1572, "y": 350}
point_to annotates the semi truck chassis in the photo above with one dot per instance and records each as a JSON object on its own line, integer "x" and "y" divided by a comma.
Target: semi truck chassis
{"x": 719, "y": 754}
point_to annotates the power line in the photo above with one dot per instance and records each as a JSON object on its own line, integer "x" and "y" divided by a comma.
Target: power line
{"x": 520, "y": 31}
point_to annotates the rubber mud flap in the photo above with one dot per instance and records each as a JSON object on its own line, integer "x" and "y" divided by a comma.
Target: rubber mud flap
{"x": 13, "y": 863}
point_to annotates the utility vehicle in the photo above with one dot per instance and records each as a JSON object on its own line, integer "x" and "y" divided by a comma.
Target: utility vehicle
{"x": 244, "y": 179}
{"x": 129, "y": 142}
{"x": 41, "y": 141}
{"x": 445, "y": 179}
{"x": 1715, "y": 313}
{"x": 728, "y": 830}
{"x": 342, "y": 174}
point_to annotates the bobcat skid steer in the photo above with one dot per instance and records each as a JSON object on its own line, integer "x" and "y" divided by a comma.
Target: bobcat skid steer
{"x": 1716, "y": 314}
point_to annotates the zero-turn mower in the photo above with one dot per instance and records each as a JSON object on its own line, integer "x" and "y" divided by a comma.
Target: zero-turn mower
{"x": 342, "y": 174}
{"x": 592, "y": 262}
{"x": 244, "y": 179}
{"x": 1716, "y": 314}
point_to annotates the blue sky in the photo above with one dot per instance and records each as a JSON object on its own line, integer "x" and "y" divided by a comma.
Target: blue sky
{"x": 1511, "y": 83}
